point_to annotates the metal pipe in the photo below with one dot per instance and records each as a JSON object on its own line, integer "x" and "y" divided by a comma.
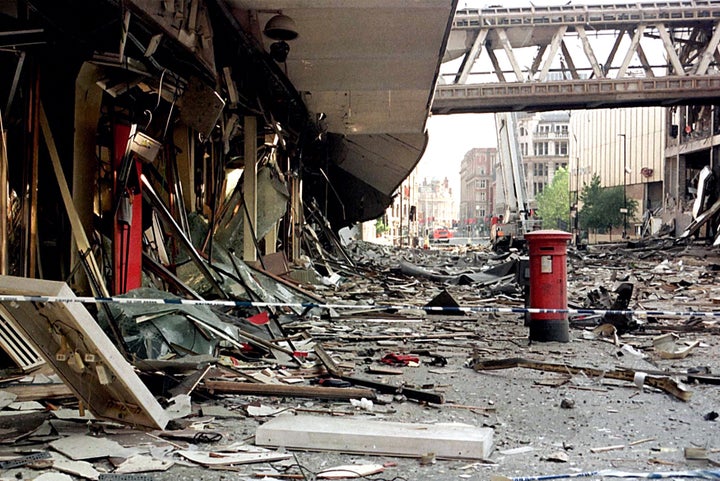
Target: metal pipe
{"x": 624, "y": 209}
{"x": 150, "y": 194}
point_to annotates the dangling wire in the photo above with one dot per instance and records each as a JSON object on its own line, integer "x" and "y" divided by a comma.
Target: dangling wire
{"x": 149, "y": 113}
{"x": 172, "y": 105}
{"x": 162, "y": 77}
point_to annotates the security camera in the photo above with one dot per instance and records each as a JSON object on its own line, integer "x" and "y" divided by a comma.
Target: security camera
{"x": 279, "y": 51}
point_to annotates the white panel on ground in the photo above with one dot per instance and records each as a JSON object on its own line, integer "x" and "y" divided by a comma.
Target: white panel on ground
{"x": 454, "y": 441}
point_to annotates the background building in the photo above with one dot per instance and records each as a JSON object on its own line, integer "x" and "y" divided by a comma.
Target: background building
{"x": 401, "y": 216}
{"x": 692, "y": 143}
{"x": 625, "y": 147}
{"x": 476, "y": 187}
{"x": 543, "y": 141}
{"x": 436, "y": 206}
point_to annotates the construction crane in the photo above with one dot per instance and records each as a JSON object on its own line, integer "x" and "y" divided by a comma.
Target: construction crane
{"x": 516, "y": 219}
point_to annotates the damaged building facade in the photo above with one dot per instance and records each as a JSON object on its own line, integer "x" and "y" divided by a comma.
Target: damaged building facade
{"x": 173, "y": 174}
{"x": 692, "y": 145}
{"x": 146, "y": 107}
{"x": 192, "y": 151}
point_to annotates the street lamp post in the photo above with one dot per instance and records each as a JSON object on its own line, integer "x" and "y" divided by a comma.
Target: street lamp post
{"x": 477, "y": 220}
{"x": 624, "y": 210}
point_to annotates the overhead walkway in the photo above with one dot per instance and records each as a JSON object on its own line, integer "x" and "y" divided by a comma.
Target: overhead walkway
{"x": 573, "y": 56}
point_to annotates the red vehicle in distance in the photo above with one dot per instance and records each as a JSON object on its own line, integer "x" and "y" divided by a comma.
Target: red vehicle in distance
{"x": 442, "y": 234}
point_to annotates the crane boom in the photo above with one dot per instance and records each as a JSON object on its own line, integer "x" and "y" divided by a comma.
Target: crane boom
{"x": 516, "y": 201}
{"x": 516, "y": 216}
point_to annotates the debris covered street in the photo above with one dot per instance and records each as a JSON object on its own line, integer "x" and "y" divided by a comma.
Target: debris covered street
{"x": 223, "y": 254}
{"x": 537, "y": 421}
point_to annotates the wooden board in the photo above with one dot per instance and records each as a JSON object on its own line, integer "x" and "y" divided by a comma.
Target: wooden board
{"x": 449, "y": 441}
{"x": 70, "y": 339}
{"x": 33, "y": 392}
{"x": 317, "y": 392}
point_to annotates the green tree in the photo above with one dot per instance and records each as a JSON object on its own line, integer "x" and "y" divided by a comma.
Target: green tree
{"x": 601, "y": 208}
{"x": 554, "y": 201}
{"x": 590, "y": 214}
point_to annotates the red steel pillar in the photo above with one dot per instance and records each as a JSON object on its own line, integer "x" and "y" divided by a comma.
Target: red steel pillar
{"x": 127, "y": 231}
{"x": 548, "y": 284}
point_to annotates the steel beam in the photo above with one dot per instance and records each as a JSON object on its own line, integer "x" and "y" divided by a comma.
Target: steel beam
{"x": 686, "y": 31}
{"x": 568, "y": 94}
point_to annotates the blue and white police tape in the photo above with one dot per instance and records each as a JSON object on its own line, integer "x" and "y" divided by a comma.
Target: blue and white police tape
{"x": 377, "y": 307}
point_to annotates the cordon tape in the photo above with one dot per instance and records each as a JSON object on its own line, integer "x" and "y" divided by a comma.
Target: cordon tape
{"x": 312, "y": 305}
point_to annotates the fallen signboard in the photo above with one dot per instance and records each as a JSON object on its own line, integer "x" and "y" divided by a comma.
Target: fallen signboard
{"x": 70, "y": 339}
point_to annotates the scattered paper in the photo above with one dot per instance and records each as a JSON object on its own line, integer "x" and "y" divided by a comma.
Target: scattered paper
{"x": 350, "y": 471}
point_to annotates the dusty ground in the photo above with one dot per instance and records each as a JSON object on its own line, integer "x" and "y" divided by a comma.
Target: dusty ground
{"x": 527, "y": 415}
{"x": 543, "y": 423}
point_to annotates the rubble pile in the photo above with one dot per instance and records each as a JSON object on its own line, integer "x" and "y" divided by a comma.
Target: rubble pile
{"x": 292, "y": 379}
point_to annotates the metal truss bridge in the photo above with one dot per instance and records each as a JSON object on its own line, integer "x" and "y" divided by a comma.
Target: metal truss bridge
{"x": 581, "y": 56}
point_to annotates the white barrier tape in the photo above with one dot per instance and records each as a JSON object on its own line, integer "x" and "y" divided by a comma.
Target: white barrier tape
{"x": 310, "y": 305}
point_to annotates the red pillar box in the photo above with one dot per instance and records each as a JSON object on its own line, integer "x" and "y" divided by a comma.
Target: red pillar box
{"x": 548, "y": 284}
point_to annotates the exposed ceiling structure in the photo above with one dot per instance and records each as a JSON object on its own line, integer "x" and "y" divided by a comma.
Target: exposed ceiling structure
{"x": 370, "y": 68}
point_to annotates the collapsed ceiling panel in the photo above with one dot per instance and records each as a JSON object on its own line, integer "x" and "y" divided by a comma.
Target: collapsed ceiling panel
{"x": 382, "y": 160}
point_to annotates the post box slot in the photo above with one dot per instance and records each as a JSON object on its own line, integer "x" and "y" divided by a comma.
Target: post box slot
{"x": 547, "y": 248}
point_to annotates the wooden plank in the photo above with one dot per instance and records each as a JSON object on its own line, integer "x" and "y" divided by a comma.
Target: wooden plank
{"x": 327, "y": 361}
{"x": 188, "y": 385}
{"x": 700, "y": 220}
{"x": 317, "y": 392}
{"x": 448, "y": 441}
{"x": 663, "y": 383}
{"x": 68, "y": 337}
{"x": 409, "y": 393}
{"x": 33, "y": 392}
{"x": 83, "y": 245}
{"x": 288, "y": 284}
{"x": 31, "y": 204}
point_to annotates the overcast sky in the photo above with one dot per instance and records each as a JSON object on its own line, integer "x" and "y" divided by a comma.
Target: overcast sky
{"x": 451, "y": 136}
